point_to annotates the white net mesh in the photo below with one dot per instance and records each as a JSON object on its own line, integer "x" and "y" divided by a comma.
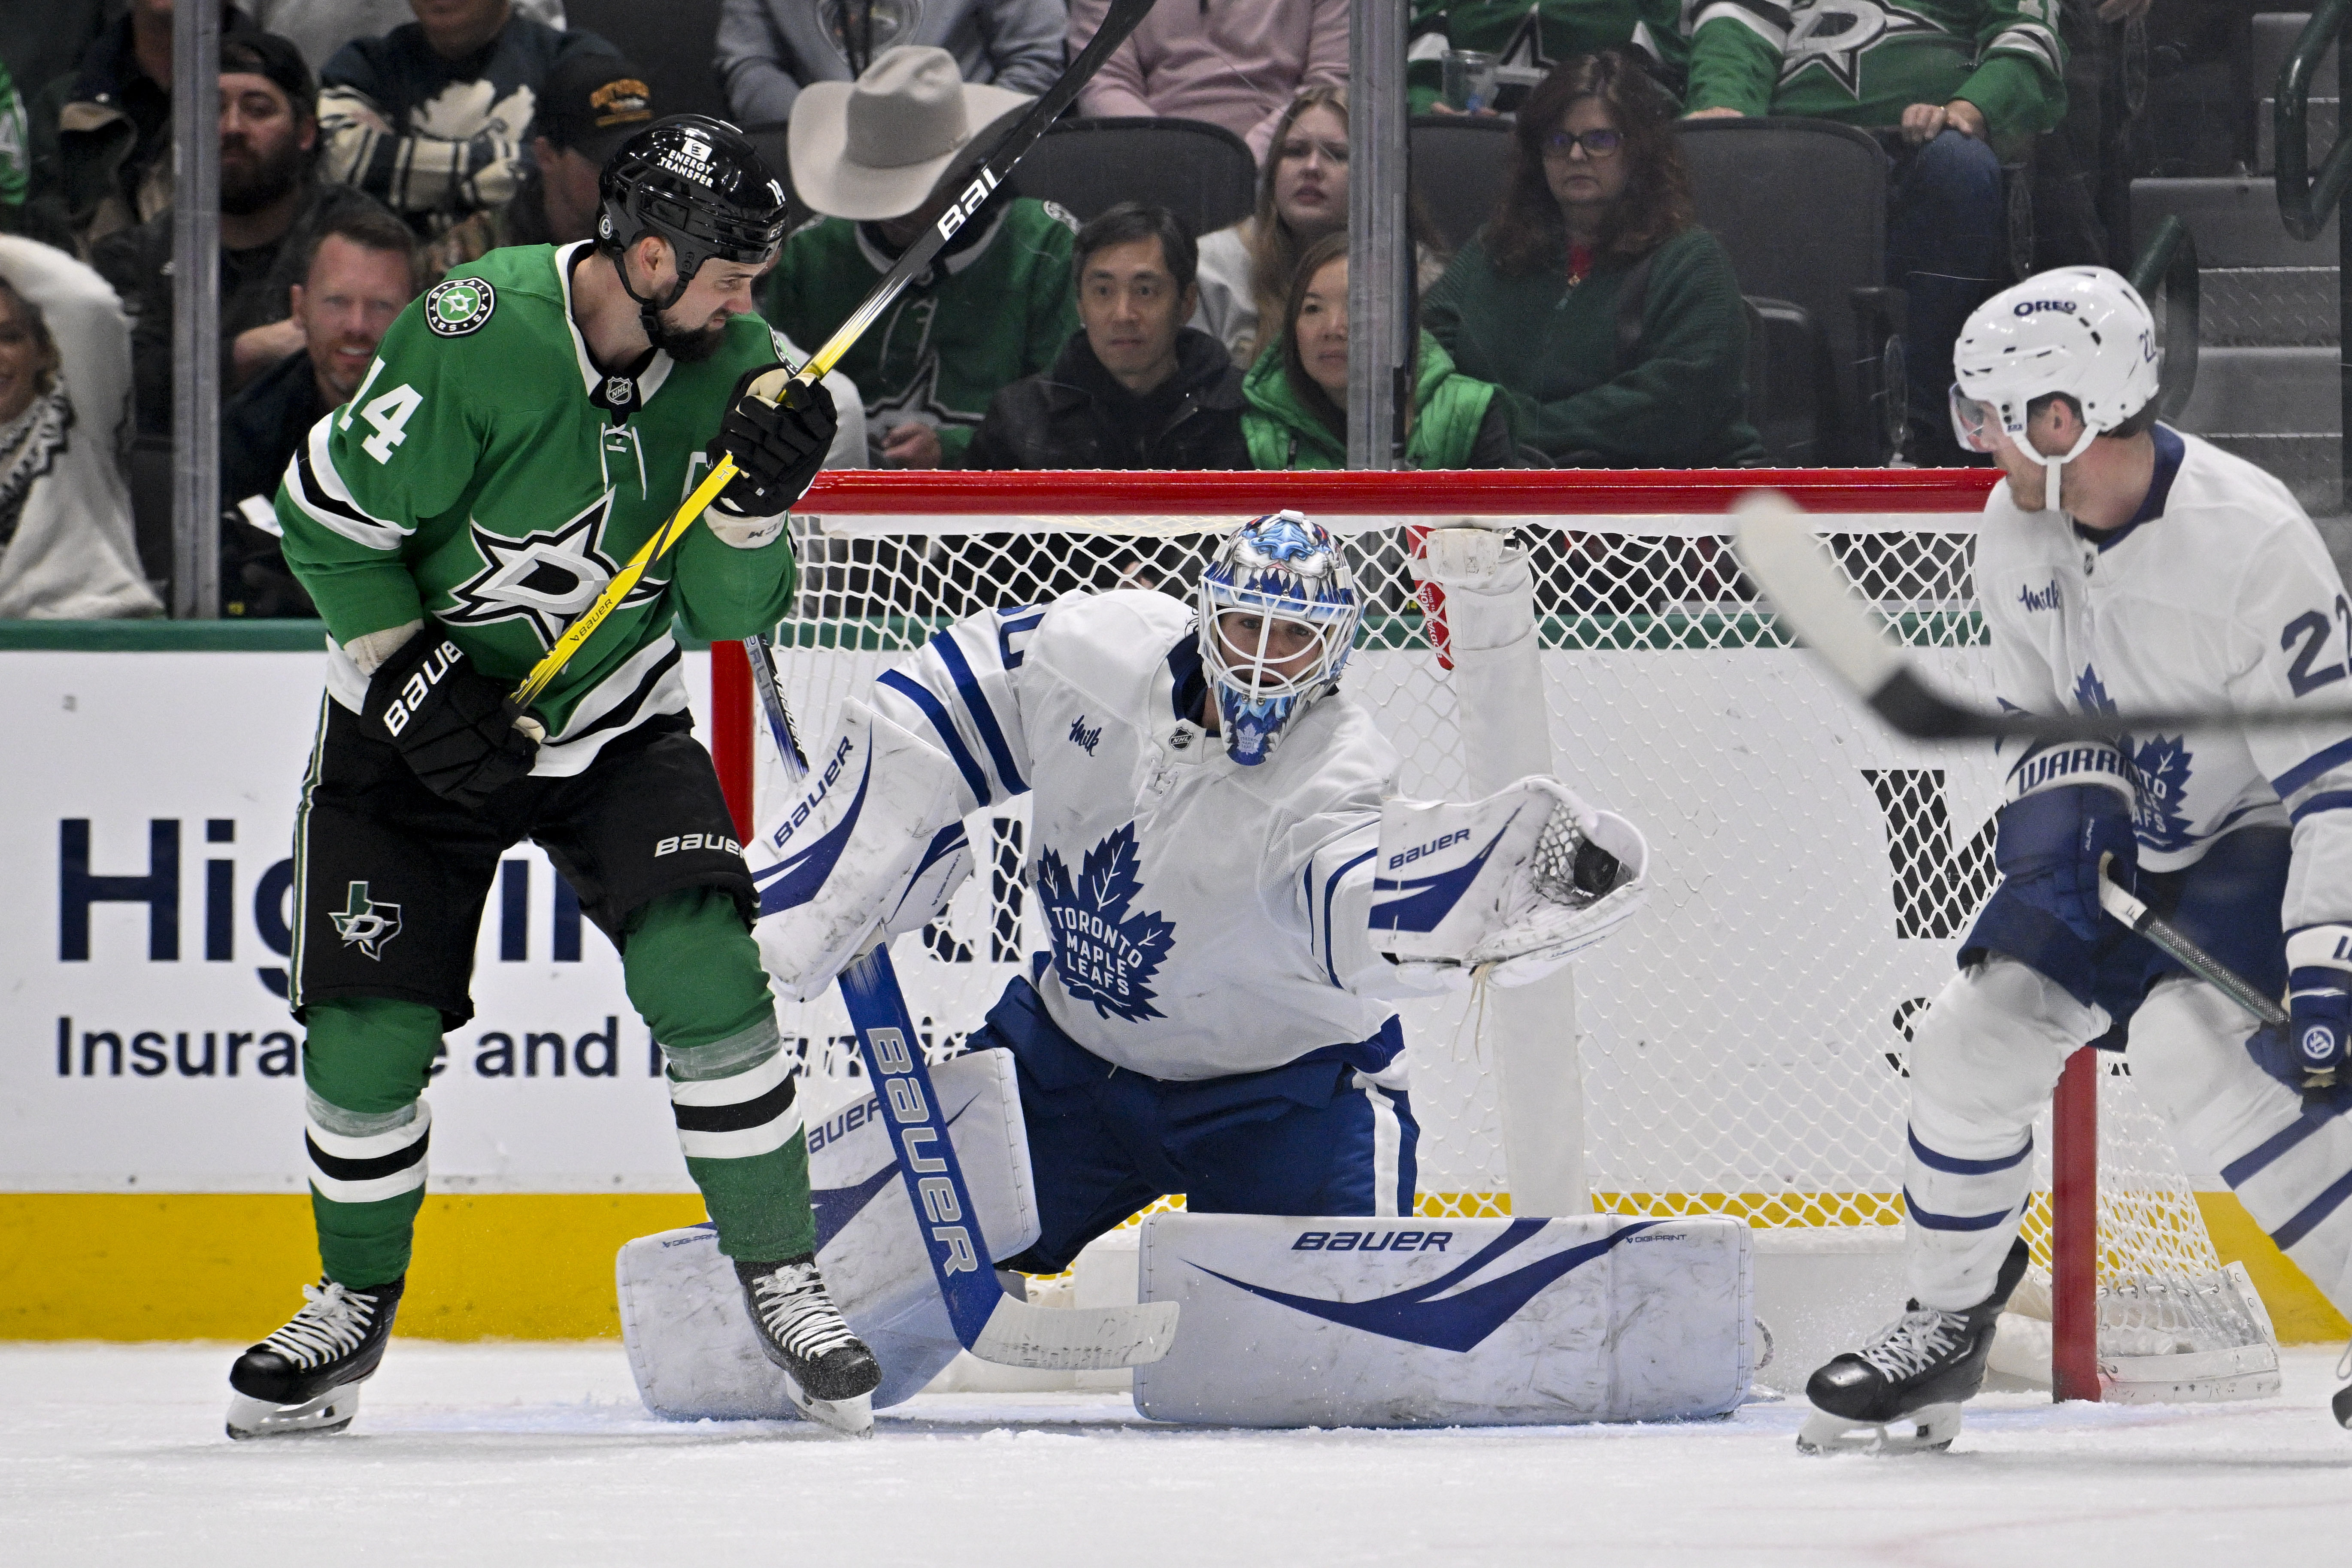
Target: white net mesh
{"x": 1742, "y": 1045}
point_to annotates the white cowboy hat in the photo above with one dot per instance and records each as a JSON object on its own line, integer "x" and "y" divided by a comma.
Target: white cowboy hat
{"x": 873, "y": 149}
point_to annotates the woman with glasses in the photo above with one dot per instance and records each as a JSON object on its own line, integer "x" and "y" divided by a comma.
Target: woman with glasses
{"x": 1610, "y": 320}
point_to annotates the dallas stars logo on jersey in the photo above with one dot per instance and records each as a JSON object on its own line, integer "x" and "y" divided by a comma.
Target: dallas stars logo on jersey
{"x": 546, "y": 578}
{"x": 366, "y": 924}
{"x": 1834, "y": 35}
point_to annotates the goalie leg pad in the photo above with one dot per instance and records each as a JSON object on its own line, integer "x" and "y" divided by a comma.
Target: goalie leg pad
{"x": 863, "y": 842}
{"x": 692, "y": 1350}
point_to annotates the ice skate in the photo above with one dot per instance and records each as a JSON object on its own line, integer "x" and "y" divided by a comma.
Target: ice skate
{"x": 828, "y": 1371}
{"x": 1912, "y": 1374}
{"x": 304, "y": 1380}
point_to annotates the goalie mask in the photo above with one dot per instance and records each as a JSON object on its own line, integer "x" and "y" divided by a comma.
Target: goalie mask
{"x": 2080, "y": 331}
{"x": 1278, "y": 616}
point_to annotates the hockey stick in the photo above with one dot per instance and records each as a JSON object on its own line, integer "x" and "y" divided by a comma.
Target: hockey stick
{"x": 1117, "y": 22}
{"x": 990, "y": 1324}
{"x": 1776, "y": 547}
{"x": 2147, "y": 922}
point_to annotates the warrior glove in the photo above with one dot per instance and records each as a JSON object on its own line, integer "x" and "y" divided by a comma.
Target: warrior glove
{"x": 455, "y": 727}
{"x": 778, "y": 443}
{"x": 2050, "y": 847}
{"x": 2319, "y": 1001}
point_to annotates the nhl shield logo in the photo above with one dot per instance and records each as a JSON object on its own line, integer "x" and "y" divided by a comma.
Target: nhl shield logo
{"x": 459, "y": 306}
{"x": 366, "y": 924}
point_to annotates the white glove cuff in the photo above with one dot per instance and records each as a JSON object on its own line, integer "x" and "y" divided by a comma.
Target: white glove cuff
{"x": 745, "y": 532}
{"x": 370, "y": 650}
{"x": 2320, "y": 947}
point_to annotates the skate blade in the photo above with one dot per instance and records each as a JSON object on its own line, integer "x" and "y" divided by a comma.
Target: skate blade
{"x": 1929, "y": 1429}
{"x": 331, "y": 1411}
{"x": 850, "y": 1417}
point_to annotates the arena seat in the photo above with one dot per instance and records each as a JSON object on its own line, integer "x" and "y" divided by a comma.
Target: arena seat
{"x": 672, "y": 42}
{"x": 1202, "y": 173}
{"x": 1801, "y": 207}
{"x": 1459, "y": 169}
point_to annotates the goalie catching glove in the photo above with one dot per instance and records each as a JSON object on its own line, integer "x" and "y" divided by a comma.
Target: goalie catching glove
{"x": 778, "y": 431}
{"x": 1510, "y": 886}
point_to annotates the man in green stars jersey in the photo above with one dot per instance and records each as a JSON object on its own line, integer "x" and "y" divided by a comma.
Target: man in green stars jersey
{"x": 525, "y": 425}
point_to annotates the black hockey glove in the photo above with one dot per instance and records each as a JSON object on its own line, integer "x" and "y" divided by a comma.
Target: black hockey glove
{"x": 455, "y": 727}
{"x": 777, "y": 446}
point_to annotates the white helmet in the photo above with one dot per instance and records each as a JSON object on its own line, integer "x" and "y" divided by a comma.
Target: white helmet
{"x": 2082, "y": 330}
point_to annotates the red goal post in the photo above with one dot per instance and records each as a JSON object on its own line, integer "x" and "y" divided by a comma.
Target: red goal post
{"x": 1636, "y": 564}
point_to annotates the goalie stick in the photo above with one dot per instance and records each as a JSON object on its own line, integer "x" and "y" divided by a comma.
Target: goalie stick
{"x": 1776, "y": 547}
{"x": 988, "y": 1322}
{"x": 992, "y": 170}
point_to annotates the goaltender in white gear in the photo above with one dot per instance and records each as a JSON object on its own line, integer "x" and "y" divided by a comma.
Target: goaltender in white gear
{"x": 2127, "y": 566}
{"x": 1231, "y": 895}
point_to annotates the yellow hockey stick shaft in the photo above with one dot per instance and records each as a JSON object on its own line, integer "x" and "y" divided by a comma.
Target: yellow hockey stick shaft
{"x": 551, "y": 664}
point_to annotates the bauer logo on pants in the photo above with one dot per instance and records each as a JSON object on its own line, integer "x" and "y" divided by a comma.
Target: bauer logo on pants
{"x": 365, "y": 923}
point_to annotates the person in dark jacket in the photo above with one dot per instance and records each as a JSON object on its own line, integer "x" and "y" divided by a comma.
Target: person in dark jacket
{"x": 1134, "y": 387}
{"x": 1598, "y": 207}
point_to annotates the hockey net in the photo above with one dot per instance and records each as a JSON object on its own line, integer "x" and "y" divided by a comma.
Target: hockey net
{"x": 1742, "y": 1046}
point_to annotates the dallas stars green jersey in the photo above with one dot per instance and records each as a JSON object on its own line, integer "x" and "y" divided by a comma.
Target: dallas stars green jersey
{"x": 1863, "y": 62}
{"x": 488, "y": 473}
{"x": 1536, "y": 35}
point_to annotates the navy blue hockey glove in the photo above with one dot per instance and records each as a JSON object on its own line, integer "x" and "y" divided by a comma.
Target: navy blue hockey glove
{"x": 2049, "y": 847}
{"x": 2319, "y": 1004}
{"x": 778, "y": 446}
{"x": 457, "y": 727}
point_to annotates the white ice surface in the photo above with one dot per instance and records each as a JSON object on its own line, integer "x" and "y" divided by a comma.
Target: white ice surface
{"x": 530, "y": 1454}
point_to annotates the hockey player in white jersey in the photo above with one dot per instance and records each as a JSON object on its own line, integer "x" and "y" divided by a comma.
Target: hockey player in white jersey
{"x": 1231, "y": 895}
{"x": 2123, "y": 566}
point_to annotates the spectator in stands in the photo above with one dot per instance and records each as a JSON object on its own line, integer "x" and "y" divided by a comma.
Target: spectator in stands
{"x": 1302, "y": 195}
{"x": 15, "y": 155}
{"x": 994, "y": 305}
{"x": 770, "y": 49}
{"x": 44, "y": 42}
{"x": 101, "y": 137}
{"x": 319, "y": 28}
{"x": 1610, "y": 318}
{"x": 1235, "y": 63}
{"x": 66, "y": 548}
{"x": 1944, "y": 89}
{"x": 433, "y": 118}
{"x": 1297, "y": 391}
{"x": 359, "y": 267}
{"x": 592, "y": 104}
{"x": 1528, "y": 37}
{"x": 1136, "y": 388}
{"x": 267, "y": 192}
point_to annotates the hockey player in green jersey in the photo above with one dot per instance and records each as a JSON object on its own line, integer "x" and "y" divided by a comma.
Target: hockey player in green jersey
{"x": 1947, "y": 82}
{"x": 1527, "y": 37}
{"x": 525, "y": 425}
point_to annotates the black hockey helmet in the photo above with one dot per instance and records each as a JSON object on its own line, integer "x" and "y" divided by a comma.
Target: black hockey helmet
{"x": 700, "y": 185}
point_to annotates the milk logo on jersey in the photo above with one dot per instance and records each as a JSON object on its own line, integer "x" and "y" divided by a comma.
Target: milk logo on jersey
{"x": 2160, "y": 773}
{"x": 1834, "y": 35}
{"x": 459, "y": 306}
{"x": 1086, "y": 740}
{"x": 2043, "y": 598}
{"x": 365, "y": 923}
{"x": 1104, "y": 953}
{"x": 1450, "y": 1312}
{"x": 545, "y": 578}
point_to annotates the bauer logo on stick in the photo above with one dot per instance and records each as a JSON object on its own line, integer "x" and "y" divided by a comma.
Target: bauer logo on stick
{"x": 459, "y": 306}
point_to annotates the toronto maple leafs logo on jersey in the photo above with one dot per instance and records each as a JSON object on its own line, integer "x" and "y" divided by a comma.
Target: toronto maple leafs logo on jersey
{"x": 1834, "y": 35}
{"x": 545, "y": 578}
{"x": 364, "y": 922}
{"x": 2159, "y": 772}
{"x": 1104, "y": 953}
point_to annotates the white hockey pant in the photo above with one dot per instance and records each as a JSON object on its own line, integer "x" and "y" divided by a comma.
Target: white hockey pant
{"x": 1983, "y": 1061}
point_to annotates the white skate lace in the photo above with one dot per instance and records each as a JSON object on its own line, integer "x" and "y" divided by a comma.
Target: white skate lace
{"x": 798, "y": 1314}
{"x": 1914, "y": 1342}
{"x": 332, "y": 1322}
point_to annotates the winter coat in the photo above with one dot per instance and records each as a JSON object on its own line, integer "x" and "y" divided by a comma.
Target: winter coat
{"x": 1078, "y": 416}
{"x": 1457, "y": 423}
{"x": 1552, "y": 347}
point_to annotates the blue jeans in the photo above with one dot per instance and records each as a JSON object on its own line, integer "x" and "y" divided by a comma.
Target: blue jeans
{"x": 1945, "y": 225}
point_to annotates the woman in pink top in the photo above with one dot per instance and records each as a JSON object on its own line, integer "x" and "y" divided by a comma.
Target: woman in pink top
{"x": 1234, "y": 63}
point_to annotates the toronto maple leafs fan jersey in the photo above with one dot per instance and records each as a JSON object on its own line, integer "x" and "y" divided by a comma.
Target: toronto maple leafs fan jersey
{"x": 2218, "y": 593}
{"x": 1205, "y": 918}
{"x": 488, "y": 473}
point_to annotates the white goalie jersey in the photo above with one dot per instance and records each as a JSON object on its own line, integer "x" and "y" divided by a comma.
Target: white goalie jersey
{"x": 1203, "y": 919}
{"x": 2222, "y": 594}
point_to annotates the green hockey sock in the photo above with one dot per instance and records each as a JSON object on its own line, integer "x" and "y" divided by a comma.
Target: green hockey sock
{"x": 364, "y": 1063}
{"x": 694, "y": 975}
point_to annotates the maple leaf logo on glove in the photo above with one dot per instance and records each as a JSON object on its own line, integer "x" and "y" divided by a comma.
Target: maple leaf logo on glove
{"x": 1104, "y": 954}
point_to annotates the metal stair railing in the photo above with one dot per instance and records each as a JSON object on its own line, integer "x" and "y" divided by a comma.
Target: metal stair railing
{"x": 2170, "y": 261}
{"x": 2306, "y": 202}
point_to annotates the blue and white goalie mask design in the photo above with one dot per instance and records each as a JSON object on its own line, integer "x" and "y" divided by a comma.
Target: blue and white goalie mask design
{"x": 1278, "y": 617}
